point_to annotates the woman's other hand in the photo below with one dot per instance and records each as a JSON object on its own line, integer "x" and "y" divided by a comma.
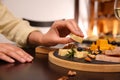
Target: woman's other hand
{"x": 11, "y": 53}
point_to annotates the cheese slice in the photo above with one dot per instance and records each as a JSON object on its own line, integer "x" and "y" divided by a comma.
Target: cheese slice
{"x": 76, "y": 38}
{"x": 81, "y": 54}
{"x": 63, "y": 52}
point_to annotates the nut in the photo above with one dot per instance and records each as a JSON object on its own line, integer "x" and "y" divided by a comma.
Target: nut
{"x": 63, "y": 78}
{"x": 71, "y": 73}
{"x": 88, "y": 59}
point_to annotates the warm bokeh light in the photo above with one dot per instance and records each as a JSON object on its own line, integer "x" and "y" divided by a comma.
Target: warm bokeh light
{"x": 115, "y": 28}
{"x": 95, "y": 31}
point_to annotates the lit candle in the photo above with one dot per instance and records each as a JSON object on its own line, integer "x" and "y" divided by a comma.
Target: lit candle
{"x": 115, "y": 28}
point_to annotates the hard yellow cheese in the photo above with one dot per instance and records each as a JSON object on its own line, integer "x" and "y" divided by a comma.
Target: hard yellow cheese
{"x": 76, "y": 38}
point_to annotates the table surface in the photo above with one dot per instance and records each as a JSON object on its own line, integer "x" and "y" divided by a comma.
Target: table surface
{"x": 42, "y": 69}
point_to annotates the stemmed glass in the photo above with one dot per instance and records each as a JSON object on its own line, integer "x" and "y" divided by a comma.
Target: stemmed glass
{"x": 117, "y": 8}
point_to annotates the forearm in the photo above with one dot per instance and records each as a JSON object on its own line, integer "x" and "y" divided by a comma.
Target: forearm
{"x": 13, "y": 28}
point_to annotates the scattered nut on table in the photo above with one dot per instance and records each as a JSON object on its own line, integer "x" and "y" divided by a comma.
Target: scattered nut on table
{"x": 71, "y": 73}
{"x": 63, "y": 78}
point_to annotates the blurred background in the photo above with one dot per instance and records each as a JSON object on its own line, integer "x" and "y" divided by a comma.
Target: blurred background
{"x": 95, "y": 17}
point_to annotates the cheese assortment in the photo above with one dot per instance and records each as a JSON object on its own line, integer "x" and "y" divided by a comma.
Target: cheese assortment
{"x": 100, "y": 50}
{"x": 77, "y": 54}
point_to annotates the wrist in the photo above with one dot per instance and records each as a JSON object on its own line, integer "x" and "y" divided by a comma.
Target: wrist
{"x": 35, "y": 38}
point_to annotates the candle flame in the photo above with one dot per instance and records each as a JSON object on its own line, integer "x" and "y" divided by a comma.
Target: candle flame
{"x": 115, "y": 29}
{"x": 95, "y": 31}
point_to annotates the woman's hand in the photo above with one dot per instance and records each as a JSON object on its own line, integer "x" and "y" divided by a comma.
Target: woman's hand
{"x": 10, "y": 53}
{"x": 59, "y": 31}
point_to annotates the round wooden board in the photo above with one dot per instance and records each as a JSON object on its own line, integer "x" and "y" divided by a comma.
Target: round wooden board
{"x": 83, "y": 66}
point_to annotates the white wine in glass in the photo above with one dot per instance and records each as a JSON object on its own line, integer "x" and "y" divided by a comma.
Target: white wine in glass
{"x": 117, "y": 8}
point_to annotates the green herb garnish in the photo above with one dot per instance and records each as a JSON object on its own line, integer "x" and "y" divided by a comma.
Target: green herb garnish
{"x": 71, "y": 53}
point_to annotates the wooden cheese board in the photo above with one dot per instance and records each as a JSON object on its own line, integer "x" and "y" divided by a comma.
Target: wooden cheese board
{"x": 77, "y": 64}
{"x": 83, "y": 66}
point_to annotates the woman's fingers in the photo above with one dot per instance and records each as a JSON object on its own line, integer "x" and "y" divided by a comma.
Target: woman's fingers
{"x": 16, "y": 57}
{"x": 21, "y": 53}
{"x": 72, "y": 21}
{"x": 12, "y": 52}
{"x": 64, "y": 40}
{"x": 24, "y": 55}
{"x": 71, "y": 25}
{"x": 6, "y": 58}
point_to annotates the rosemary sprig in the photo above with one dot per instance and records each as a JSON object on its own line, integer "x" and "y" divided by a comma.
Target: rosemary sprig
{"x": 71, "y": 53}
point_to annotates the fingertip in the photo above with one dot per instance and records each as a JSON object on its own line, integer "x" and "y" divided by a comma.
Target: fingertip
{"x": 12, "y": 61}
{"x": 22, "y": 60}
{"x": 82, "y": 35}
{"x": 79, "y": 33}
{"x": 31, "y": 57}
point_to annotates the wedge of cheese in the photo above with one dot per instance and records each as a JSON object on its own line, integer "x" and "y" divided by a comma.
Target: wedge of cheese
{"x": 63, "y": 52}
{"x": 81, "y": 54}
{"x": 76, "y": 38}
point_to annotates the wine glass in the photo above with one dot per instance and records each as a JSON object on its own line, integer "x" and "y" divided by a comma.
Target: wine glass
{"x": 117, "y": 14}
{"x": 117, "y": 8}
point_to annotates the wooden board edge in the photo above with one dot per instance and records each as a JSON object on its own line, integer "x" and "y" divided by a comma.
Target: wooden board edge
{"x": 44, "y": 50}
{"x": 84, "y": 66}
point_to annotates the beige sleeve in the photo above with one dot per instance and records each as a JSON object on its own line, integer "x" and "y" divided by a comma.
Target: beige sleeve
{"x": 13, "y": 28}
